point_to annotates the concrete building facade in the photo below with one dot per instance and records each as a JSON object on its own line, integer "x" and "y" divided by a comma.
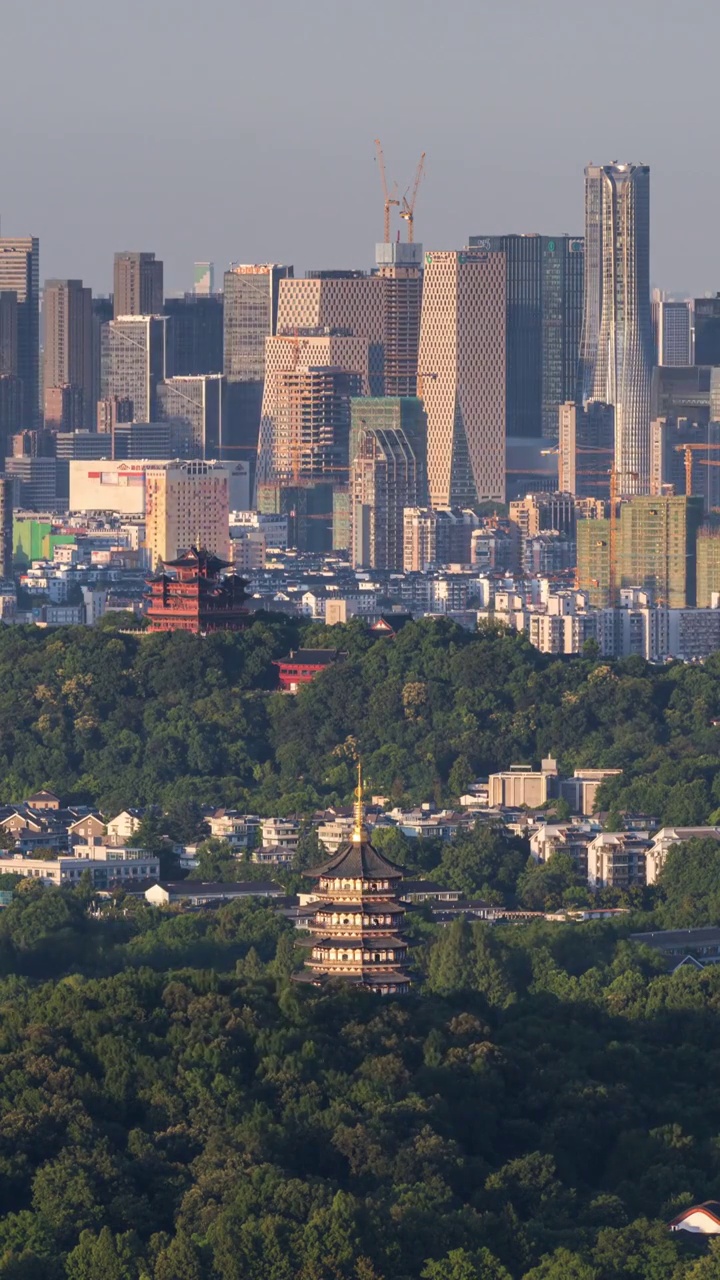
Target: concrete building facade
{"x": 186, "y": 504}
{"x": 137, "y": 284}
{"x": 68, "y": 355}
{"x": 462, "y": 375}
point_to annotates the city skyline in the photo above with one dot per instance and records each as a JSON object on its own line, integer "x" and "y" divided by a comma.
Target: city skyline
{"x": 281, "y": 194}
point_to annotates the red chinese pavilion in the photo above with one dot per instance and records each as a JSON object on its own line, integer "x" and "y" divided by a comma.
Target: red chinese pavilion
{"x": 301, "y": 666}
{"x": 196, "y": 595}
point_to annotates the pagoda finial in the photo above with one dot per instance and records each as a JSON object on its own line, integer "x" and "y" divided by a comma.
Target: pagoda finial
{"x": 360, "y": 831}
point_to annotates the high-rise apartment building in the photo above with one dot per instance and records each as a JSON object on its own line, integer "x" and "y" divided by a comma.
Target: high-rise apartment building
{"x": 304, "y": 427}
{"x": 544, "y": 294}
{"x": 6, "y": 527}
{"x": 197, "y": 402}
{"x": 707, "y": 330}
{"x": 655, "y": 550}
{"x": 20, "y": 274}
{"x": 672, "y": 330}
{"x": 137, "y": 284}
{"x": 195, "y": 334}
{"x": 616, "y": 355}
{"x": 585, "y": 449}
{"x": 186, "y": 504}
{"x": 68, "y": 354}
{"x": 462, "y": 374}
{"x": 708, "y": 565}
{"x": 134, "y": 362}
{"x": 388, "y": 472}
{"x": 436, "y": 536}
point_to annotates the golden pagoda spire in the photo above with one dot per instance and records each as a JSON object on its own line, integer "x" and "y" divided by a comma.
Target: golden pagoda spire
{"x": 360, "y": 831}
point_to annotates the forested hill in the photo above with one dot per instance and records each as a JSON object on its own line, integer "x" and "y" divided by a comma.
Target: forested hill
{"x": 120, "y": 720}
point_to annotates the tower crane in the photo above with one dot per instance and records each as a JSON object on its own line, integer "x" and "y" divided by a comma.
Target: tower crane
{"x": 688, "y": 450}
{"x": 389, "y": 200}
{"x": 407, "y": 212}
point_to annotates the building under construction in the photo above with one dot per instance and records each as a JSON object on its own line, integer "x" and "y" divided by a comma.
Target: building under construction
{"x": 388, "y": 472}
{"x": 656, "y": 550}
{"x": 586, "y": 449}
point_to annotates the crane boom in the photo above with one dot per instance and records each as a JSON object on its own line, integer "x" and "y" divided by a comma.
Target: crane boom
{"x": 408, "y": 206}
{"x": 386, "y": 195}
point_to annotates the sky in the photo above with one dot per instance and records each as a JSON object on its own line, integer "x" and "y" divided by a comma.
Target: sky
{"x": 243, "y": 130}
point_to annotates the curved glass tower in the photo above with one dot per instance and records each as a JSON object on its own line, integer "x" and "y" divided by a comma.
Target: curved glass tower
{"x": 616, "y": 349}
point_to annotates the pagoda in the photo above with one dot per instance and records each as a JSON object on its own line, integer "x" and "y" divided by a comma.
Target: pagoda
{"x": 197, "y": 595}
{"x": 358, "y": 925}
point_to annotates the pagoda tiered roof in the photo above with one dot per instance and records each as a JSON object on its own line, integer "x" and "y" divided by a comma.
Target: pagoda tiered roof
{"x": 357, "y": 860}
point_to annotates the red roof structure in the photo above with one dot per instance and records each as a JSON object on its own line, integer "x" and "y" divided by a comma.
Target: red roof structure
{"x": 197, "y": 595}
{"x": 301, "y": 666}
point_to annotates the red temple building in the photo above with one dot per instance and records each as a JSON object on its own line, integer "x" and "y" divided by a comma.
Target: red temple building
{"x": 196, "y": 595}
{"x": 302, "y": 665}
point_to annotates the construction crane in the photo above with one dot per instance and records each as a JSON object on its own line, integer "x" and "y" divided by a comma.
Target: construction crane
{"x": 407, "y": 212}
{"x": 389, "y": 200}
{"x": 688, "y": 450}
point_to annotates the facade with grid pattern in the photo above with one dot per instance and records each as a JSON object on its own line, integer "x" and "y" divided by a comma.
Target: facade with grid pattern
{"x": 462, "y": 372}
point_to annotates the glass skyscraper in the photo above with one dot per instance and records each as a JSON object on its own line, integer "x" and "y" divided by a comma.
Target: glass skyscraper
{"x": 544, "y": 293}
{"x": 616, "y": 355}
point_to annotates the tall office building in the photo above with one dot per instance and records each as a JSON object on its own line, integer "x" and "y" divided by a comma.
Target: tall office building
{"x": 20, "y": 274}
{"x": 6, "y": 528}
{"x": 585, "y": 449}
{"x": 137, "y": 284}
{"x": 672, "y": 330}
{"x": 305, "y": 422}
{"x": 386, "y": 476}
{"x": 186, "y": 504}
{"x": 102, "y": 314}
{"x": 8, "y": 334}
{"x": 544, "y": 293}
{"x": 251, "y": 294}
{"x": 195, "y": 334}
{"x": 134, "y": 364}
{"x": 616, "y": 355}
{"x": 707, "y": 330}
{"x": 250, "y": 309}
{"x": 68, "y": 354}
{"x": 462, "y": 370}
{"x": 400, "y": 267}
{"x": 672, "y": 462}
{"x": 197, "y": 402}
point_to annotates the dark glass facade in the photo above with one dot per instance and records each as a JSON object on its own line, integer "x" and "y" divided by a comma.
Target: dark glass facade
{"x": 195, "y": 338}
{"x": 544, "y": 322}
{"x": 707, "y": 330}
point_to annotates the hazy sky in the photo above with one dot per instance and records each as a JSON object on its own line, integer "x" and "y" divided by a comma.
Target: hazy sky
{"x": 232, "y": 130}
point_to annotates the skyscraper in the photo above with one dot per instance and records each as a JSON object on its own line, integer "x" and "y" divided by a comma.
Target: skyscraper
{"x": 6, "y": 527}
{"x": 20, "y": 273}
{"x": 134, "y": 362}
{"x": 250, "y": 309}
{"x": 655, "y": 550}
{"x": 339, "y": 301}
{"x": 672, "y": 330}
{"x": 585, "y": 449}
{"x": 195, "y": 334}
{"x": 386, "y": 476}
{"x": 137, "y": 284}
{"x": 616, "y": 355}
{"x": 197, "y": 402}
{"x": 68, "y": 352}
{"x": 707, "y": 330}
{"x": 400, "y": 267}
{"x": 544, "y": 292}
{"x": 462, "y": 375}
{"x": 305, "y": 421}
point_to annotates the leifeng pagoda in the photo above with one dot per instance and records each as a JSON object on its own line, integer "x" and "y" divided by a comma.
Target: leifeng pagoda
{"x": 196, "y": 595}
{"x": 358, "y": 926}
